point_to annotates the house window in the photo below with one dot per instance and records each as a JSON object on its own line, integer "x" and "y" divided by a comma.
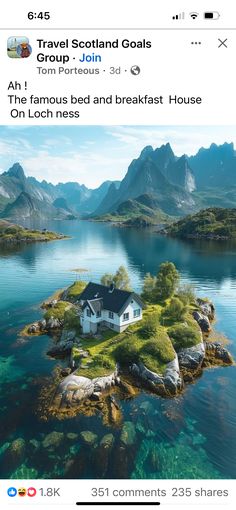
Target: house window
{"x": 111, "y": 325}
{"x": 125, "y": 316}
{"x": 98, "y": 314}
{"x": 111, "y": 315}
{"x": 88, "y": 312}
{"x": 137, "y": 312}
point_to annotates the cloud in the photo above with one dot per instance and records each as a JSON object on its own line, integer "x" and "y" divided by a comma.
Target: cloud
{"x": 183, "y": 139}
{"x": 90, "y": 169}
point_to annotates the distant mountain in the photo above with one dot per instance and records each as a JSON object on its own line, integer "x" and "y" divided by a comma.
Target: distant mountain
{"x": 174, "y": 185}
{"x": 61, "y": 203}
{"x": 214, "y": 167}
{"x": 213, "y": 223}
{"x": 157, "y": 173}
{"x": 26, "y": 206}
{"x": 74, "y": 199}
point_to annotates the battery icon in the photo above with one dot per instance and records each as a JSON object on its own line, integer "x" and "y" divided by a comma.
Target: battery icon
{"x": 211, "y": 15}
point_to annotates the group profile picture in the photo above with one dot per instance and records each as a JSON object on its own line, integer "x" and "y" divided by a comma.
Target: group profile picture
{"x": 18, "y": 47}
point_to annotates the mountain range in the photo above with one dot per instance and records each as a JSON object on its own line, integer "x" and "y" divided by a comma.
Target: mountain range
{"x": 157, "y": 180}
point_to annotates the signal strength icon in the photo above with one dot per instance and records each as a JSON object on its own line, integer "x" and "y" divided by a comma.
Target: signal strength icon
{"x": 193, "y": 15}
{"x": 178, "y": 16}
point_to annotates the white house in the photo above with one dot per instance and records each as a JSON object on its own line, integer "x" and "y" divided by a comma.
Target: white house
{"x": 112, "y": 307}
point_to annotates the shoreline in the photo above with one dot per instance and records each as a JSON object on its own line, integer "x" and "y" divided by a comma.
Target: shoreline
{"x": 77, "y": 389}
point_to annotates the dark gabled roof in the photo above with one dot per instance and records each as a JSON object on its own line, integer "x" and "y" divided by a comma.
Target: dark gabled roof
{"x": 95, "y": 305}
{"x": 115, "y": 301}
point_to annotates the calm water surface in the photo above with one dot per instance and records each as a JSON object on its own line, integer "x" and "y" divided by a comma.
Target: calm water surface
{"x": 193, "y": 436}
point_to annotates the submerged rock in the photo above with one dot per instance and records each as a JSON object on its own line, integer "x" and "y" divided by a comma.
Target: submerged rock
{"x": 34, "y": 445}
{"x": 4, "y": 447}
{"x": 53, "y": 440}
{"x": 24, "y": 473}
{"x": 128, "y": 434}
{"x": 72, "y": 436}
{"x": 107, "y": 441}
{"x": 14, "y": 454}
{"x": 89, "y": 438}
{"x": 101, "y": 455}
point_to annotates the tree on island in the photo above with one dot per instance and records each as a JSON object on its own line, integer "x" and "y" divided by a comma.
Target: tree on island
{"x": 120, "y": 279}
{"x": 175, "y": 310}
{"x": 163, "y": 286}
{"x": 186, "y": 293}
{"x": 149, "y": 283}
{"x": 166, "y": 281}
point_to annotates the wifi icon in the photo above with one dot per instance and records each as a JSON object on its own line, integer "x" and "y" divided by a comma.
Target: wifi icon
{"x": 193, "y": 15}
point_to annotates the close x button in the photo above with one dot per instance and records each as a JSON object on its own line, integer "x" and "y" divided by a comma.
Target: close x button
{"x": 222, "y": 43}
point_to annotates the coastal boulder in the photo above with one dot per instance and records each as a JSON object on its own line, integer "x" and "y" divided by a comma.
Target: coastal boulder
{"x": 53, "y": 323}
{"x": 207, "y": 308}
{"x": 73, "y": 389}
{"x": 218, "y": 351}
{"x": 203, "y": 321}
{"x": 204, "y": 324}
{"x": 191, "y": 358}
{"x": 168, "y": 384}
{"x": 34, "y": 328}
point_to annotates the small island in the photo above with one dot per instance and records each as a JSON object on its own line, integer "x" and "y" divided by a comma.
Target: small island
{"x": 117, "y": 342}
{"x": 214, "y": 223}
{"x": 11, "y": 233}
{"x": 139, "y": 213}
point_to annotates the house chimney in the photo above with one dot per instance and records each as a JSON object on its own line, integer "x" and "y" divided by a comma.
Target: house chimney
{"x": 111, "y": 288}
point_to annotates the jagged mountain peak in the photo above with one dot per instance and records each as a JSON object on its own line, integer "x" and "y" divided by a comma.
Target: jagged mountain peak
{"x": 146, "y": 152}
{"x": 16, "y": 171}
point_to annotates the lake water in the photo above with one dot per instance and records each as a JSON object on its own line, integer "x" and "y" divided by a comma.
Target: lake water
{"x": 192, "y": 436}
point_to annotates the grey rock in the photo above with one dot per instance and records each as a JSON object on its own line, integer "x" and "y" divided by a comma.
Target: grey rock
{"x": 220, "y": 352}
{"x": 34, "y": 328}
{"x": 42, "y": 324}
{"x": 75, "y": 388}
{"x": 192, "y": 357}
{"x": 53, "y": 323}
{"x": 204, "y": 324}
{"x": 169, "y": 383}
{"x": 104, "y": 383}
{"x": 68, "y": 335}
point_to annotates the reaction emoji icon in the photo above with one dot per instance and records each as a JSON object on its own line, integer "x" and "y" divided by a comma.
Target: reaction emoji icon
{"x": 12, "y": 492}
{"x": 22, "y": 492}
{"x": 31, "y": 492}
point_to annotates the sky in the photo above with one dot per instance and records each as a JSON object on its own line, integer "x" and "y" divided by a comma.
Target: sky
{"x": 91, "y": 155}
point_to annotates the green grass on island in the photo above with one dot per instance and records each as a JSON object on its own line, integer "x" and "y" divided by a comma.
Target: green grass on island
{"x": 11, "y": 233}
{"x": 147, "y": 341}
{"x": 212, "y": 223}
{"x": 166, "y": 327}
